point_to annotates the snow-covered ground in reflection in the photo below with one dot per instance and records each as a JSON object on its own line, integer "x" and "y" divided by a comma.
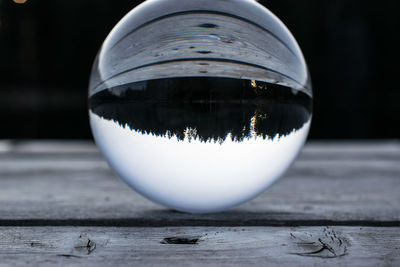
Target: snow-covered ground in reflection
{"x": 192, "y": 175}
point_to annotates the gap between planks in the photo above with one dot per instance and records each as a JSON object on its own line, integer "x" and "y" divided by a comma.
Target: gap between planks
{"x": 197, "y": 222}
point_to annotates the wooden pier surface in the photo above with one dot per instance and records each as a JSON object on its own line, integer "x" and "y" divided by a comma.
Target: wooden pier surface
{"x": 60, "y": 203}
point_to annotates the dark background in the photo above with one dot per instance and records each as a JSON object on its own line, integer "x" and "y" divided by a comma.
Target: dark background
{"x": 47, "y": 48}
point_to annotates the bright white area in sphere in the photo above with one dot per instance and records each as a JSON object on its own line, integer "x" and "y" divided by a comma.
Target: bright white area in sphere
{"x": 192, "y": 175}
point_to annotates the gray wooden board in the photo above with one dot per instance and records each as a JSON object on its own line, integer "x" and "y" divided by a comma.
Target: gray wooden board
{"x": 69, "y": 183}
{"x": 339, "y": 204}
{"x": 194, "y": 246}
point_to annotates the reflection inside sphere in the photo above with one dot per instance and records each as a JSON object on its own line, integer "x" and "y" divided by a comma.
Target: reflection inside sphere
{"x": 200, "y": 105}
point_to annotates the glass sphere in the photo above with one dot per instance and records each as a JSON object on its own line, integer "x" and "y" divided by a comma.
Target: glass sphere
{"x": 200, "y": 105}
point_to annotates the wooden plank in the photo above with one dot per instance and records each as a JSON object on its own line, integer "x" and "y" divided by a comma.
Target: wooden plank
{"x": 188, "y": 246}
{"x": 47, "y": 147}
{"x": 40, "y": 185}
{"x": 69, "y": 185}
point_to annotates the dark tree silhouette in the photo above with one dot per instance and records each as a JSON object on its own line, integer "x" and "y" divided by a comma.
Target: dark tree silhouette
{"x": 214, "y": 107}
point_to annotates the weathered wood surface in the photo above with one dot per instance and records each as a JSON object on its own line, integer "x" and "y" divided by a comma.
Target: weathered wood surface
{"x": 70, "y": 184}
{"x": 339, "y": 204}
{"x": 216, "y": 246}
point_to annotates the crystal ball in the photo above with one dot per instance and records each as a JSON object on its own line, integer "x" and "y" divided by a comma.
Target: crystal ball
{"x": 200, "y": 105}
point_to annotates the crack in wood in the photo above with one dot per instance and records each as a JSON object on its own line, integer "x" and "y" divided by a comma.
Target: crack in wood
{"x": 189, "y": 220}
{"x": 37, "y": 244}
{"x": 181, "y": 240}
{"x": 328, "y": 245}
{"x": 87, "y": 247}
{"x": 68, "y": 256}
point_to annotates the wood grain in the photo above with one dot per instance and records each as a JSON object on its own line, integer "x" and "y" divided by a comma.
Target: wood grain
{"x": 69, "y": 183}
{"x": 60, "y": 204}
{"x": 221, "y": 246}
{"x": 56, "y": 183}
